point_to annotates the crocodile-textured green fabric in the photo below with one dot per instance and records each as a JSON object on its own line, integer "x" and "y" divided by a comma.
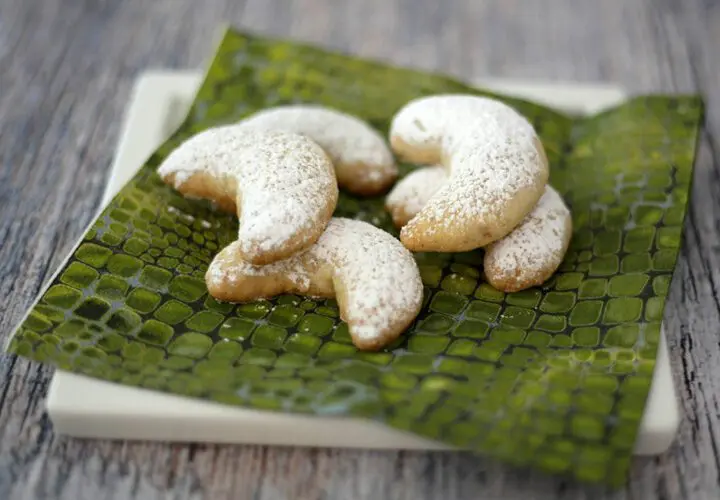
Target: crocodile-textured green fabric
{"x": 554, "y": 377}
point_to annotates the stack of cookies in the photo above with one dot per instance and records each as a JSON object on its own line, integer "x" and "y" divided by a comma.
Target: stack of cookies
{"x": 484, "y": 185}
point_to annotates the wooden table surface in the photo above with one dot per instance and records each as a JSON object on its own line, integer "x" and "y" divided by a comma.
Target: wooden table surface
{"x": 66, "y": 69}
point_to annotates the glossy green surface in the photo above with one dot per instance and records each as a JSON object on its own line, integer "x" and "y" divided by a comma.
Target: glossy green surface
{"x": 554, "y": 377}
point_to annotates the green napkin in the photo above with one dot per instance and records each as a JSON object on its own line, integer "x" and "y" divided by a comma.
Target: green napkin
{"x": 554, "y": 377}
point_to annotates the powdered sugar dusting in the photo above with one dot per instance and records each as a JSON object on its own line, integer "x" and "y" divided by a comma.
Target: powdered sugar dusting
{"x": 429, "y": 124}
{"x": 496, "y": 163}
{"x": 537, "y": 245}
{"x": 350, "y": 142}
{"x": 376, "y": 278}
{"x": 489, "y": 167}
{"x": 411, "y": 194}
{"x": 283, "y": 182}
{"x": 527, "y": 256}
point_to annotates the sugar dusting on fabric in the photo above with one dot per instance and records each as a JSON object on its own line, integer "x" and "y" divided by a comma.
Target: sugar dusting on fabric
{"x": 284, "y": 179}
{"x": 379, "y": 276}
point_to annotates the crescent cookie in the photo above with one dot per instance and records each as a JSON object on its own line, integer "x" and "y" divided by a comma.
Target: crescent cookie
{"x": 282, "y": 186}
{"x": 373, "y": 277}
{"x": 524, "y": 258}
{"x": 363, "y": 162}
{"x": 534, "y": 250}
{"x": 497, "y": 169}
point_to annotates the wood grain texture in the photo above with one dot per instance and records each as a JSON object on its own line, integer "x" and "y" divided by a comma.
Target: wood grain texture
{"x": 66, "y": 69}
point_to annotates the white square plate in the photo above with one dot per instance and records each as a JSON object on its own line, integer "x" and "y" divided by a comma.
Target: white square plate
{"x": 85, "y": 407}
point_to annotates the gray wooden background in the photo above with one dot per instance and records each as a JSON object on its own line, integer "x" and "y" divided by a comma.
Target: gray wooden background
{"x": 66, "y": 69}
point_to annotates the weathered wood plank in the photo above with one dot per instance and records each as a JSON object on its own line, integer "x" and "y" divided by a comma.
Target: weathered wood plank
{"x": 66, "y": 69}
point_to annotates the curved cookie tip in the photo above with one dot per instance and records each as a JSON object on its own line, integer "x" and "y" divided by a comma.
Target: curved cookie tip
{"x": 412, "y": 192}
{"x": 532, "y": 253}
